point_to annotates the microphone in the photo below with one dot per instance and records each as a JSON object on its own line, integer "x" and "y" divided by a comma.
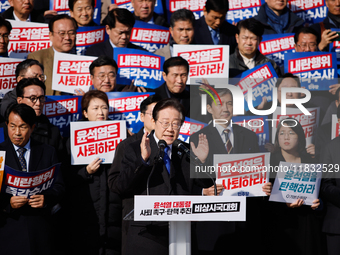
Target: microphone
{"x": 161, "y": 145}
{"x": 192, "y": 156}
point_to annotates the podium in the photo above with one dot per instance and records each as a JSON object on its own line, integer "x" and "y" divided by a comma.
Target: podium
{"x": 181, "y": 210}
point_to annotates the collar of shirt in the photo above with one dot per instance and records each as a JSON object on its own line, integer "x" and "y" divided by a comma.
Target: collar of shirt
{"x": 17, "y": 19}
{"x": 250, "y": 62}
{"x": 170, "y": 146}
{"x": 220, "y": 130}
{"x": 27, "y": 153}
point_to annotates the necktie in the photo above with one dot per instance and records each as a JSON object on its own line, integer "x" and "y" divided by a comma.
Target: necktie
{"x": 22, "y": 160}
{"x": 228, "y": 144}
{"x": 214, "y": 36}
{"x": 166, "y": 159}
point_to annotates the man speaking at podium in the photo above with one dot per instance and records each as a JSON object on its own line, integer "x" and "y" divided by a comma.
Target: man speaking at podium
{"x": 171, "y": 176}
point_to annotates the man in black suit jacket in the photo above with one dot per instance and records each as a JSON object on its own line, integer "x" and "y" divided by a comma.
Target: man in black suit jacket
{"x": 144, "y": 11}
{"x": 23, "y": 11}
{"x": 24, "y": 226}
{"x": 175, "y": 74}
{"x": 5, "y": 30}
{"x": 212, "y": 28}
{"x": 118, "y": 24}
{"x": 148, "y": 237}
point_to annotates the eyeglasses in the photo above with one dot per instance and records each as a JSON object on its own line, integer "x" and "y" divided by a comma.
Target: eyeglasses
{"x": 102, "y": 77}
{"x": 305, "y": 45}
{"x": 4, "y": 36}
{"x": 290, "y": 133}
{"x": 34, "y": 99}
{"x": 175, "y": 125}
{"x": 62, "y": 34}
{"x": 41, "y": 77}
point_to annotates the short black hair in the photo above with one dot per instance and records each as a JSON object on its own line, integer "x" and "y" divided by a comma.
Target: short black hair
{"x": 220, "y": 92}
{"x": 182, "y": 15}
{"x": 5, "y": 23}
{"x": 26, "y": 113}
{"x": 24, "y": 65}
{"x": 25, "y": 82}
{"x": 175, "y": 61}
{"x": 102, "y": 61}
{"x": 168, "y": 103}
{"x": 306, "y": 30}
{"x": 71, "y": 4}
{"x": 288, "y": 75}
{"x": 59, "y": 17}
{"x": 149, "y": 100}
{"x": 121, "y": 15}
{"x": 252, "y": 25}
{"x": 217, "y": 5}
{"x": 92, "y": 94}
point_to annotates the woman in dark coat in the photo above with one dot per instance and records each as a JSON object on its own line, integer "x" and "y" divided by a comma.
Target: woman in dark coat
{"x": 94, "y": 212}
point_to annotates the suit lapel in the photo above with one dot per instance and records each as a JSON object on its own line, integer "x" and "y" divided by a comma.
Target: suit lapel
{"x": 108, "y": 48}
{"x": 35, "y": 157}
{"x": 12, "y": 159}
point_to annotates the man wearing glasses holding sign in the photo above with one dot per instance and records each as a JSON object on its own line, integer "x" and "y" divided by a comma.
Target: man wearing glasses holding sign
{"x": 63, "y": 31}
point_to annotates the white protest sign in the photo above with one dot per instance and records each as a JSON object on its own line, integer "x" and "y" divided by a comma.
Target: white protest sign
{"x": 2, "y": 166}
{"x": 189, "y": 208}
{"x": 297, "y": 180}
{"x": 71, "y": 72}
{"x": 210, "y": 62}
{"x": 95, "y": 139}
{"x": 8, "y": 80}
{"x": 27, "y": 37}
{"x": 242, "y": 174}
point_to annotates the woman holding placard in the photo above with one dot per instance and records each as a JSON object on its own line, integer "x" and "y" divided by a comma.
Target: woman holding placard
{"x": 292, "y": 228}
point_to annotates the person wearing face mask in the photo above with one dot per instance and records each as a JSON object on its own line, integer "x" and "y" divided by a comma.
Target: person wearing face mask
{"x": 89, "y": 200}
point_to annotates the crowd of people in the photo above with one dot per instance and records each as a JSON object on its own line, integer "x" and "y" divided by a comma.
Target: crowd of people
{"x": 83, "y": 212}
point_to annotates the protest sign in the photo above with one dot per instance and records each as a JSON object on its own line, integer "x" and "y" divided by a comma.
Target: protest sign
{"x": 19, "y": 183}
{"x": 317, "y": 70}
{"x": 242, "y": 174}
{"x": 27, "y": 37}
{"x": 2, "y": 166}
{"x": 88, "y": 36}
{"x": 311, "y": 11}
{"x": 62, "y": 110}
{"x": 242, "y": 9}
{"x": 149, "y": 36}
{"x": 205, "y": 61}
{"x": 70, "y": 73}
{"x": 126, "y": 106}
{"x": 143, "y": 67}
{"x": 95, "y": 139}
{"x": 4, "y": 5}
{"x": 8, "y": 80}
{"x": 195, "y": 6}
{"x": 297, "y": 181}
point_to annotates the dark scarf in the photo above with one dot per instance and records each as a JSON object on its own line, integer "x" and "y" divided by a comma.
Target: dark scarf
{"x": 335, "y": 19}
{"x": 278, "y": 23}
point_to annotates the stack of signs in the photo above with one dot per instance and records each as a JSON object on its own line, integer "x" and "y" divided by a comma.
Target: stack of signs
{"x": 126, "y": 106}
{"x": 242, "y": 9}
{"x": 141, "y": 66}
{"x": 8, "y": 80}
{"x": 242, "y": 174}
{"x": 206, "y": 61}
{"x": 127, "y": 5}
{"x": 4, "y": 5}
{"x": 311, "y": 11}
{"x": 195, "y": 6}
{"x": 62, "y": 7}
{"x": 19, "y": 183}
{"x": 70, "y": 73}
{"x": 188, "y": 128}
{"x": 335, "y": 127}
{"x": 317, "y": 70}
{"x": 2, "y": 166}
{"x": 261, "y": 79}
{"x": 62, "y": 110}
{"x": 27, "y": 37}
{"x": 296, "y": 181}
{"x": 335, "y": 47}
{"x": 258, "y": 124}
{"x": 275, "y": 46}
{"x": 149, "y": 36}
{"x": 95, "y": 139}
{"x": 88, "y": 36}
{"x": 309, "y": 123}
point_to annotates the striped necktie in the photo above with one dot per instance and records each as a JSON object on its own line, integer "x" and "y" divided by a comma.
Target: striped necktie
{"x": 22, "y": 159}
{"x": 228, "y": 144}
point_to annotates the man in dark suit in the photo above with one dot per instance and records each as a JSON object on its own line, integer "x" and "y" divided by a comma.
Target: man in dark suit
{"x": 175, "y": 74}
{"x": 22, "y": 10}
{"x": 5, "y": 30}
{"x": 144, "y": 11}
{"x": 24, "y": 226}
{"x": 118, "y": 24}
{"x": 172, "y": 178}
{"x": 212, "y": 28}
